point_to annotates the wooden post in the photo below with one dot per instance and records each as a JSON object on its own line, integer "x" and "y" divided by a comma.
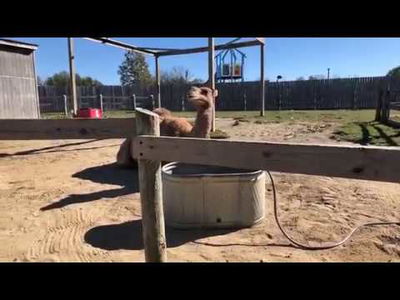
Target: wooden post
{"x": 134, "y": 101}
{"x": 378, "y": 113}
{"x": 101, "y": 102}
{"x": 36, "y": 86}
{"x": 72, "y": 75}
{"x": 354, "y": 103}
{"x": 385, "y": 104}
{"x": 211, "y": 74}
{"x": 148, "y": 123}
{"x": 262, "y": 82}
{"x": 152, "y": 101}
{"x": 65, "y": 105}
{"x": 279, "y": 97}
{"x": 158, "y": 82}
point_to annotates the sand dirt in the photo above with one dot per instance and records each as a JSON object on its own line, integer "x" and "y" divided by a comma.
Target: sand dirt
{"x": 65, "y": 200}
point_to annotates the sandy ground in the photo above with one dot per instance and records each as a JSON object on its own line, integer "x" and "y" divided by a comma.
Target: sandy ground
{"x": 64, "y": 200}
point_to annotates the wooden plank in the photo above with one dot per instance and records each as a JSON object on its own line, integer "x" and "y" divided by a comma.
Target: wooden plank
{"x": 33, "y": 70}
{"x": 261, "y": 40}
{"x": 262, "y": 81}
{"x": 18, "y": 44}
{"x": 71, "y": 56}
{"x": 158, "y": 82}
{"x": 358, "y": 162}
{"x": 205, "y": 49}
{"x": 65, "y": 105}
{"x": 66, "y": 129}
{"x": 121, "y": 45}
{"x": 211, "y": 75}
{"x": 18, "y": 91}
{"x": 151, "y": 192}
{"x": 378, "y": 112}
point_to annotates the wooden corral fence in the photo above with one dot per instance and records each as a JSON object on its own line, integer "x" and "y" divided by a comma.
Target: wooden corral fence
{"x": 53, "y": 99}
{"x": 389, "y": 99}
{"x": 358, "y": 162}
{"x": 342, "y": 93}
{"x": 63, "y": 103}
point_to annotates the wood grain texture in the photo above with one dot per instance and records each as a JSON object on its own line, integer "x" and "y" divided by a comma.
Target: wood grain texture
{"x": 211, "y": 75}
{"x": 358, "y": 162}
{"x": 18, "y": 91}
{"x": 300, "y": 94}
{"x": 150, "y": 186}
{"x": 262, "y": 81}
{"x": 66, "y": 129}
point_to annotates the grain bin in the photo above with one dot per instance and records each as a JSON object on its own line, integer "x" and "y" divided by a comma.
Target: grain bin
{"x": 199, "y": 196}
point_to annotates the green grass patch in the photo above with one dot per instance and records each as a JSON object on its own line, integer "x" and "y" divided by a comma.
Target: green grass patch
{"x": 368, "y": 133}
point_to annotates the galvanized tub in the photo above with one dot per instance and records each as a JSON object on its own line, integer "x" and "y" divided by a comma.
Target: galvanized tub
{"x": 199, "y": 196}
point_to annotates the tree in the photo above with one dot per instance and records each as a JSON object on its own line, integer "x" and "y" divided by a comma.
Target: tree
{"x": 316, "y": 77}
{"x": 179, "y": 75}
{"x": 395, "y": 72}
{"x": 134, "y": 70}
{"x": 40, "y": 80}
{"x": 300, "y": 78}
{"x": 62, "y": 80}
{"x": 87, "y": 81}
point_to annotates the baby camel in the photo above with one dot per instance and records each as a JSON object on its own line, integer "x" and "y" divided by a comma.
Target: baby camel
{"x": 202, "y": 99}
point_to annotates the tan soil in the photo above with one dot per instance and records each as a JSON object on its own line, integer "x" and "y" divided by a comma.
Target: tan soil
{"x": 68, "y": 202}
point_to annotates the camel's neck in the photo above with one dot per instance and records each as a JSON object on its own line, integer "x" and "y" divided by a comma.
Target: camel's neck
{"x": 202, "y": 125}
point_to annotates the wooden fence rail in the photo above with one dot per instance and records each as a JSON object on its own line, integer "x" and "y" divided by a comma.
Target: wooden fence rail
{"x": 67, "y": 129}
{"x": 358, "y": 162}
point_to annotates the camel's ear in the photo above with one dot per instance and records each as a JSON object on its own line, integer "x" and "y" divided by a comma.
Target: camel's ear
{"x": 215, "y": 93}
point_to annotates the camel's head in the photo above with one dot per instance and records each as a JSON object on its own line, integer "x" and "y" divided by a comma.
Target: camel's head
{"x": 202, "y": 97}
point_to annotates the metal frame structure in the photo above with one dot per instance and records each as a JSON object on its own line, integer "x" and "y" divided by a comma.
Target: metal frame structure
{"x": 221, "y": 63}
{"x": 160, "y": 52}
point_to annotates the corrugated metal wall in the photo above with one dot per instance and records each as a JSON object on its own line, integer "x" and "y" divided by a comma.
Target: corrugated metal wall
{"x": 18, "y": 90}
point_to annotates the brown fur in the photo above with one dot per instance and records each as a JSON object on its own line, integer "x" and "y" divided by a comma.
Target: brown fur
{"x": 162, "y": 113}
{"x": 172, "y": 126}
{"x": 202, "y": 99}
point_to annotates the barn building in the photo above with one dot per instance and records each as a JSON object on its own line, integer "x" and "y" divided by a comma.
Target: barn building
{"x": 18, "y": 83}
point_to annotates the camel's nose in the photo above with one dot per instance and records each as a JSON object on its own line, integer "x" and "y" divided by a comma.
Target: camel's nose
{"x": 194, "y": 89}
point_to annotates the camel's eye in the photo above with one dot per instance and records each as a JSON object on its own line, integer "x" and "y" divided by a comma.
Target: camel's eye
{"x": 204, "y": 92}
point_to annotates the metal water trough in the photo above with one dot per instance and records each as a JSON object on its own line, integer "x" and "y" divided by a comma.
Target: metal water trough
{"x": 199, "y": 196}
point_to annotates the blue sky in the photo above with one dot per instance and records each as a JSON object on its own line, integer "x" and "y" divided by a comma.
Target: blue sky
{"x": 288, "y": 57}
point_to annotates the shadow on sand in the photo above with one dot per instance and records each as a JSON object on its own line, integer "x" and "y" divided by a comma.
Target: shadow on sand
{"x": 106, "y": 174}
{"x": 128, "y": 236}
{"x": 56, "y": 148}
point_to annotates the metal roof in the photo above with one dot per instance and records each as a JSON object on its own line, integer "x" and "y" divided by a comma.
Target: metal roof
{"x": 18, "y": 44}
